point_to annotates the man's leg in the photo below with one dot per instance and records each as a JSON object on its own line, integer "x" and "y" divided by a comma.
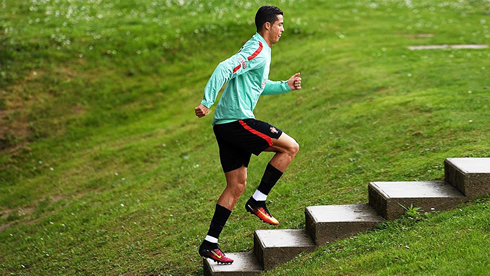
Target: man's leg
{"x": 236, "y": 181}
{"x": 286, "y": 149}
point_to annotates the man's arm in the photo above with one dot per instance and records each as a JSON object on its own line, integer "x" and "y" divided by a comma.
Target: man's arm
{"x": 237, "y": 64}
{"x": 280, "y": 87}
{"x": 220, "y": 76}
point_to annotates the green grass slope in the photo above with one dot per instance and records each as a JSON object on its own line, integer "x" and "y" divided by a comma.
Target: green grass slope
{"x": 104, "y": 168}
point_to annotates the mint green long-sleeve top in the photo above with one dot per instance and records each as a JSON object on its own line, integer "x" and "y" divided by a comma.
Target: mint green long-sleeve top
{"x": 247, "y": 75}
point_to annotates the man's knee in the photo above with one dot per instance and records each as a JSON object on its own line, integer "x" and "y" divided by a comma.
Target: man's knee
{"x": 293, "y": 148}
{"x": 286, "y": 145}
{"x": 236, "y": 182}
{"x": 239, "y": 188}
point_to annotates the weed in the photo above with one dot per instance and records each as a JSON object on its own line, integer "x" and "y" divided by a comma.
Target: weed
{"x": 412, "y": 212}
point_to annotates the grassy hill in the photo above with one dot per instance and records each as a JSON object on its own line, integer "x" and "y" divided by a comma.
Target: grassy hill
{"x": 104, "y": 168}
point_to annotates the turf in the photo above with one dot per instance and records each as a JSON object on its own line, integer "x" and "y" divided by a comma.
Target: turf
{"x": 104, "y": 168}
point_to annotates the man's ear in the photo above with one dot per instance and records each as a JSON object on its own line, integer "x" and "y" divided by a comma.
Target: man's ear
{"x": 267, "y": 25}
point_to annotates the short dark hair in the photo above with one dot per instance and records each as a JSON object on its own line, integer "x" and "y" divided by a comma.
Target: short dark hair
{"x": 266, "y": 14}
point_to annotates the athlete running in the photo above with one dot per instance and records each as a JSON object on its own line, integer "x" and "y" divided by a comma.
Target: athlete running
{"x": 237, "y": 131}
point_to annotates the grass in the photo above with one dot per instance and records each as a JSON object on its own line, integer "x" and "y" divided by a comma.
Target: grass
{"x": 105, "y": 170}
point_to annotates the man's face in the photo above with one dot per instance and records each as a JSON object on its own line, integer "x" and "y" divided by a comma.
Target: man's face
{"x": 276, "y": 29}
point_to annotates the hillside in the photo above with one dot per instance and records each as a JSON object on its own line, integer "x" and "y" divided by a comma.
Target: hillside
{"x": 104, "y": 169}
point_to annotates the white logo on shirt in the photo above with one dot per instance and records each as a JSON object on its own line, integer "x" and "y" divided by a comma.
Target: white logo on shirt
{"x": 242, "y": 61}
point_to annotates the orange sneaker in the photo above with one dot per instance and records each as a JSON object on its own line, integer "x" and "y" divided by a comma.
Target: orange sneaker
{"x": 259, "y": 209}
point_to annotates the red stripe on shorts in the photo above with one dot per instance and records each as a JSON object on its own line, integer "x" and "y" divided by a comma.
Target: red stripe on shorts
{"x": 260, "y": 134}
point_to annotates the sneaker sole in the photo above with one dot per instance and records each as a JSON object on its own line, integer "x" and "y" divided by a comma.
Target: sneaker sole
{"x": 250, "y": 210}
{"x": 216, "y": 261}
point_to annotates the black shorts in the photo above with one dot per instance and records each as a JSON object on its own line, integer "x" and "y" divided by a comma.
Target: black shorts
{"x": 238, "y": 140}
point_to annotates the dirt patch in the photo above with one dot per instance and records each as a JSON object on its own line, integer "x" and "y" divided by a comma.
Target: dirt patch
{"x": 27, "y": 211}
{"x": 12, "y": 130}
{"x": 20, "y": 212}
{"x": 5, "y": 226}
{"x": 14, "y": 125}
{"x": 416, "y": 36}
{"x": 434, "y": 47}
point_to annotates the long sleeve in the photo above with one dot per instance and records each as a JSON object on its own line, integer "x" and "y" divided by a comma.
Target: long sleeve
{"x": 236, "y": 65}
{"x": 245, "y": 75}
{"x": 276, "y": 87}
{"x": 220, "y": 76}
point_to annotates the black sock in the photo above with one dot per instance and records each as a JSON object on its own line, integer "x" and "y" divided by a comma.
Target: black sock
{"x": 270, "y": 178}
{"x": 221, "y": 215}
{"x": 208, "y": 245}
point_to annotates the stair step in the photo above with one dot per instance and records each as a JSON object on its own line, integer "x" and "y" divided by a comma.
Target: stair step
{"x": 275, "y": 247}
{"x": 471, "y": 176}
{"x": 332, "y": 222}
{"x": 391, "y": 198}
{"x": 244, "y": 264}
{"x": 466, "y": 178}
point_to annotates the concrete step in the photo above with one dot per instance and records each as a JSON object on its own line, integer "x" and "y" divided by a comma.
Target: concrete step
{"x": 390, "y": 199}
{"x": 329, "y": 223}
{"x": 245, "y": 264}
{"x": 275, "y": 247}
{"x": 471, "y": 176}
{"x": 466, "y": 178}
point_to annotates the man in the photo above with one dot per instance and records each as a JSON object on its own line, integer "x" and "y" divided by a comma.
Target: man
{"x": 238, "y": 133}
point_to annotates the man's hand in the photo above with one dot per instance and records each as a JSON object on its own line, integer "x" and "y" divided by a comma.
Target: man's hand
{"x": 201, "y": 111}
{"x": 295, "y": 82}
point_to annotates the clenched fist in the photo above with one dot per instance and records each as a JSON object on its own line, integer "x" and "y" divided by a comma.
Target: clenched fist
{"x": 295, "y": 82}
{"x": 201, "y": 111}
